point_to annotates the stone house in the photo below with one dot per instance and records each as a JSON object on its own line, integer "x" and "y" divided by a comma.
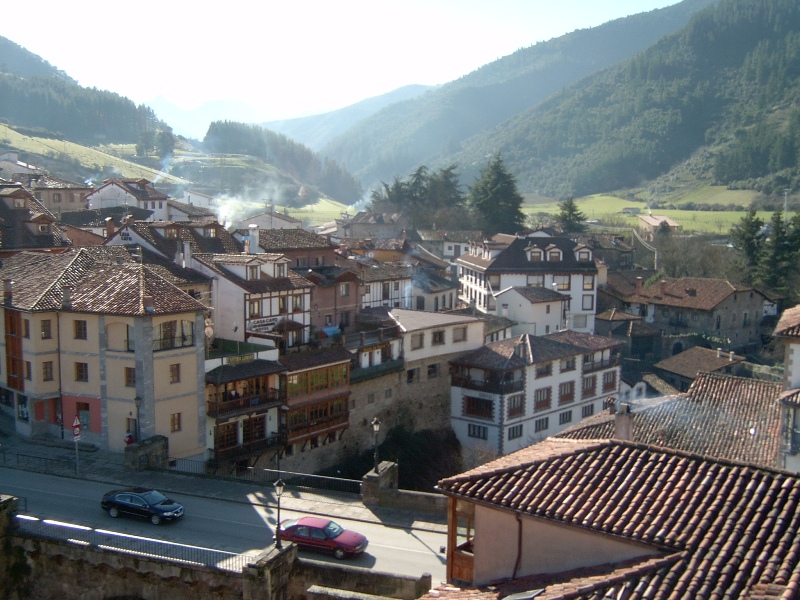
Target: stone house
{"x": 682, "y": 369}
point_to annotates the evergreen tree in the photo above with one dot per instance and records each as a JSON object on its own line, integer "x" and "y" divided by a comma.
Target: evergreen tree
{"x": 777, "y": 263}
{"x": 495, "y": 199}
{"x": 747, "y": 238}
{"x": 570, "y": 219}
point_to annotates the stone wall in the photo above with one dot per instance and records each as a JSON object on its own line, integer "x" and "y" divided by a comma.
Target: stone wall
{"x": 152, "y": 452}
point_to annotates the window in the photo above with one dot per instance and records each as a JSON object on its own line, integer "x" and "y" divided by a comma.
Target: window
{"x": 565, "y": 417}
{"x": 301, "y": 261}
{"x": 254, "y": 308}
{"x": 588, "y": 282}
{"x": 282, "y": 305}
{"x": 209, "y": 232}
{"x": 478, "y": 431}
{"x": 515, "y": 432}
{"x": 561, "y": 282}
{"x": 541, "y": 424}
{"x": 81, "y": 371}
{"x": 412, "y": 375}
{"x": 297, "y": 303}
{"x": 22, "y": 408}
{"x": 396, "y": 286}
{"x": 387, "y": 393}
{"x": 28, "y": 370}
{"x": 345, "y": 319}
{"x": 437, "y": 338}
{"x": 417, "y": 341}
{"x": 554, "y": 255}
{"x": 568, "y": 364}
{"x": 366, "y": 289}
{"x": 583, "y": 255}
{"x": 535, "y": 280}
{"x": 566, "y": 392}
{"x": 536, "y": 255}
{"x": 542, "y": 398}
{"x": 744, "y": 321}
{"x": 478, "y": 407}
{"x": 516, "y": 406}
{"x": 26, "y": 327}
{"x": 175, "y": 422}
{"x": 609, "y": 381}
{"x": 254, "y": 272}
{"x": 587, "y": 411}
{"x": 130, "y": 377}
{"x": 588, "y": 302}
{"x": 579, "y": 321}
{"x": 460, "y": 334}
{"x": 46, "y": 330}
{"x": 344, "y": 289}
{"x": 371, "y": 398}
{"x": 589, "y": 386}
{"x": 544, "y": 370}
{"x": 79, "y": 329}
{"x": 433, "y": 371}
{"x": 56, "y": 197}
{"x": 47, "y": 370}
{"x": 175, "y": 373}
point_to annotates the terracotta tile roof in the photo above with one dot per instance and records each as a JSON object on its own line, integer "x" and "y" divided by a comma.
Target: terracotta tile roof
{"x": 688, "y": 292}
{"x": 789, "y": 323}
{"x": 190, "y": 232}
{"x": 459, "y": 237}
{"x": 377, "y": 271}
{"x": 191, "y": 210}
{"x": 141, "y": 189}
{"x": 14, "y": 222}
{"x": 621, "y": 284}
{"x": 502, "y": 354}
{"x": 310, "y": 359}
{"x": 694, "y": 360}
{"x": 721, "y": 415}
{"x": 98, "y": 286}
{"x": 615, "y": 315}
{"x": 726, "y": 527}
{"x": 584, "y": 341}
{"x": 281, "y": 240}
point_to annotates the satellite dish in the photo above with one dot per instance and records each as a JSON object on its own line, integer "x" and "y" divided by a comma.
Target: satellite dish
{"x": 209, "y": 331}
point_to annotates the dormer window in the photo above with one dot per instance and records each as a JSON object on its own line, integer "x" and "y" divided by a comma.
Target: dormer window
{"x": 554, "y": 255}
{"x": 171, "y": 233}
{"x": 210, "y": 232}
{"x": 19, "y": 202}
{"x": 44, "y": 228}
{"x": 280, "y": 270}
{"x": 584, "y": 255}
{"x": 536, "y": 255}
{"x": 253, "y": 272}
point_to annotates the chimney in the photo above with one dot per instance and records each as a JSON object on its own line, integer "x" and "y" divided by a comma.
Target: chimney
{"x": 638, "y": 285}
{"x": 147, "y": 302}
{"x": 663, "y": 287}
{"x": 719, "y": 352}
{"x": 66, "y": 297}
{"x": 187, "y": 254}
{"x": 730, "y": 356}
{"x": 253, "y": 248}
{"x": 623, "y": 423}
{"x": 110, "y": 228}
{"x": 8, "y": 292}
{"x": 504, "y": 310}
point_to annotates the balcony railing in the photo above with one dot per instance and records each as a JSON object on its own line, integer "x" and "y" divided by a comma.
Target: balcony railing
{"x": 244, "y": 404}
{"x": 491, "y": 386}
{"x": 300, "y": 430}
{"x": 246, "y": 449}
{"x": 599, "y": 365}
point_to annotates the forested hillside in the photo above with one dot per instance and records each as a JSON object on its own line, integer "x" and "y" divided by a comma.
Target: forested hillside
{"x": 295, "y": 159}
{"x": 431, "y": 129}
{"x": 729, "y": 79}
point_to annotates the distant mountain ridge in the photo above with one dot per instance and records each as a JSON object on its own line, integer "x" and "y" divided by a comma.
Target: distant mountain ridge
{"x": 431, "y": 129}
{"x": 317, "y": 131}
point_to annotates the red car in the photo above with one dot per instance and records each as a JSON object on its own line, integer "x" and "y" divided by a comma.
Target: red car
{"x": 324, "y": 535}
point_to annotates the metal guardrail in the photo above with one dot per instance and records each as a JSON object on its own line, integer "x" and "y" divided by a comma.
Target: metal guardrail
{"x": 267, "y": 476}
{"x": 135, "y": 545}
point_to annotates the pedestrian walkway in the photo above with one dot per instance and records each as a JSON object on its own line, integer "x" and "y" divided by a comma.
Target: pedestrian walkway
{"x": 59, "y": 458}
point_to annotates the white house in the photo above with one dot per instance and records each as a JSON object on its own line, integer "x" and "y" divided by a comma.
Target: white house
{"x": 534, "y": 310}
{"x": 269, "y": 220}
{"x": 126, "y": 192}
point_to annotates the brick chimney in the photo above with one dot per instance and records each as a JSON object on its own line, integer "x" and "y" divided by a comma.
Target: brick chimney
{"x": 623, "y": 423}
{"x": 110, "y": 227}
{"x": 663, "y": 287}
{"x": 638, "y": 285}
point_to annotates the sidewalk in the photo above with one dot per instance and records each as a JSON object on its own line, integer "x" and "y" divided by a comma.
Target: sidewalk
{"x": 105, "y": 466}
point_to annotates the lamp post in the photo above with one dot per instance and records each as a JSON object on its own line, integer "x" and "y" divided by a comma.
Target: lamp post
{"x": 278, "y": 493}
{"x": 376, "y": 427}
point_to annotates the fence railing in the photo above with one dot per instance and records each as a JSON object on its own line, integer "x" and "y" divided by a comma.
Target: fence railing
{"x": 135, "y": 545}
{"x": 266, "y": 476}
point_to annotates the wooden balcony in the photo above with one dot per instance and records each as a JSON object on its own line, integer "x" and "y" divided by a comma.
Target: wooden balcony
{"x": 246, "y": 449}
{"x": 300, "y": 431}
{"x": 599, "y": 365}
{"x": 491, "y": 386}
{"x": 244, "y": 404}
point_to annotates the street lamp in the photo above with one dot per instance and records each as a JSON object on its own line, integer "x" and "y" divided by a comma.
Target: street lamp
{"x": 376, "y": 427}
{"x": 278, "y": 493}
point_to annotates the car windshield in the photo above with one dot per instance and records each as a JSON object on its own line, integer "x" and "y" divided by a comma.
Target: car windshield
{"x": 153, "y": 497}
{"x": 333, "y": 530}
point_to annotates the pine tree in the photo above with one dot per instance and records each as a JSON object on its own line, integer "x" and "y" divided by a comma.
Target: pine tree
{"x": 747, "y": 238}
{"x": 570, "y": 219}
{"x": 496, "y": 201}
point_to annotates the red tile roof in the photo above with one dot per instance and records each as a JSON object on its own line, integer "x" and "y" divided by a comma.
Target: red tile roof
{"x": 728, "y": 528}
{"x": 696, "y": 359}
{"x": 789, "y": 323}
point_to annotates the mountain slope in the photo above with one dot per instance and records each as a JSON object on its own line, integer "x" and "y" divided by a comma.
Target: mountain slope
{"x": 735, "y": 64}
{"x": 317, "y": 130}
{"x": 431, "y": 128}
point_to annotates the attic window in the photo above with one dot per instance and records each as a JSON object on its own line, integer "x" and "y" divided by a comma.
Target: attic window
{"x": 19, "y": 202}
{"x": 44, "y": 228}
{"x": 584, "y": 255}
{"x": 210, "y": 232}
{"x": 253, "y": 272}
{"x": 171, "y": 233}
{"x": 554, "y": 256}
{"x": 536, "y": 255}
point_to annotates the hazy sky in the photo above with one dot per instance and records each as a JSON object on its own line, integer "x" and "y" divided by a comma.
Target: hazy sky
{"x": 290, "y": 58}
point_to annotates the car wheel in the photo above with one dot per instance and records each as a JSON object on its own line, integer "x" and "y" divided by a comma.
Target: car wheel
{"x": 339, "y": 553}
{"x": 113, "y": 512}
{"x": 155, "y": 520}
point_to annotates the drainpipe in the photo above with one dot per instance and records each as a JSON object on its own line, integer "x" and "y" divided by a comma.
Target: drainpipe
{"x": 519, "y": 546}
